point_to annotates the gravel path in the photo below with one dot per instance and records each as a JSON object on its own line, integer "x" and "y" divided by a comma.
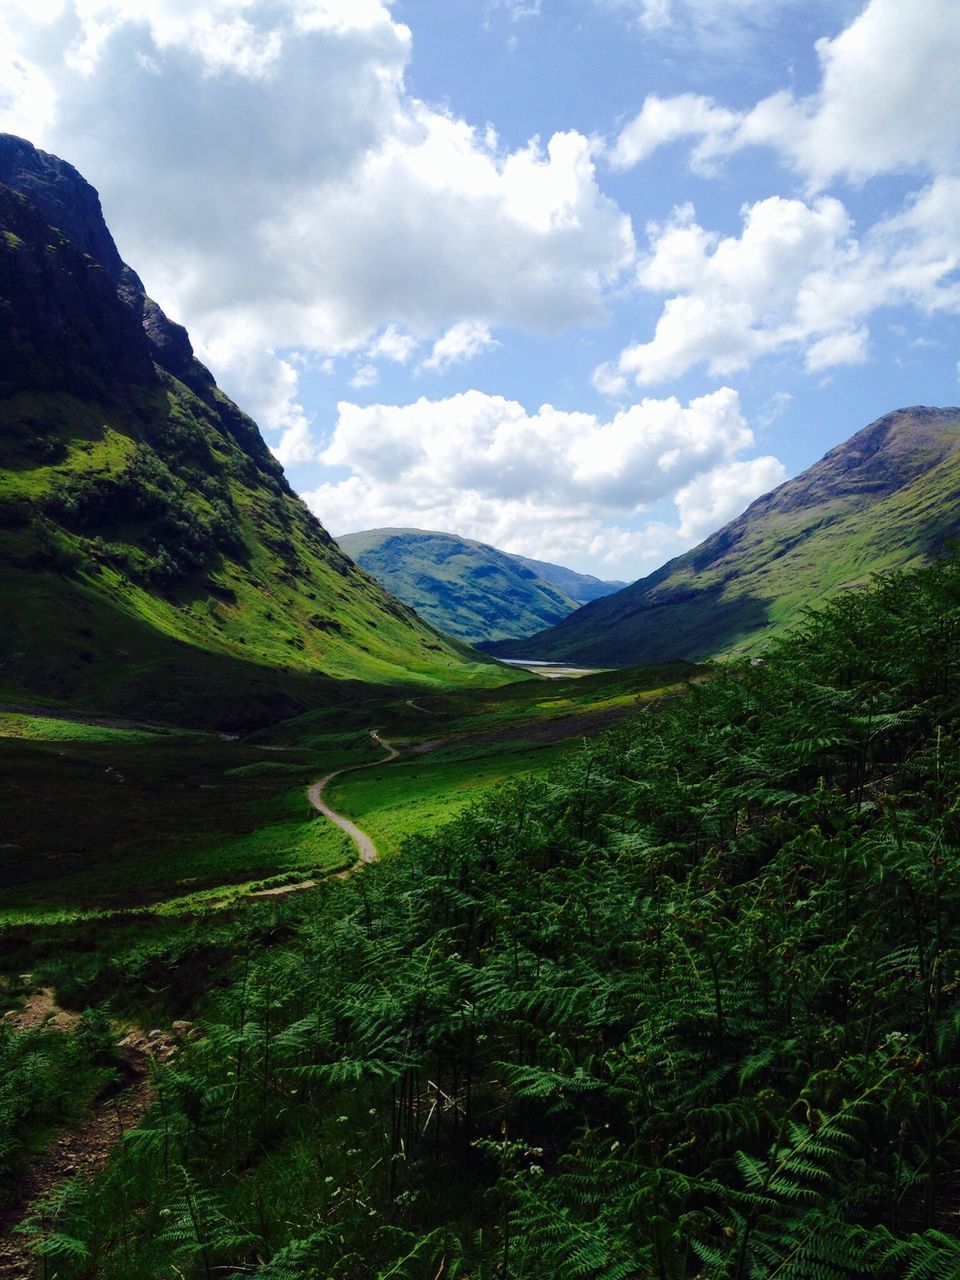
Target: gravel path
{"x": 365, "y": 846}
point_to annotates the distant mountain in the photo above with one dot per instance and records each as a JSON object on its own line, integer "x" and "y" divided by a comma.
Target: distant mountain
{"x": 153, "y": 559}
{"x": 888, "y": 498}
{"x": 469, "y": 589}
{"x": 581, "y": 587}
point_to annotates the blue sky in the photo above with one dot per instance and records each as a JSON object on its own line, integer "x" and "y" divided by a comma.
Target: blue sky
{"x": 580, "y": 278}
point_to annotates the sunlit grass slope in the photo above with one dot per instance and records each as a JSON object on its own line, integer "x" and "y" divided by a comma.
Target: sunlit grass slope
{"x": 144, "y": 578}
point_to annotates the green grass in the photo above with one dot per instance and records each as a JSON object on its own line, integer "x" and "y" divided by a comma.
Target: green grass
{"x": 415, "y": 797}
{"x": 42, "y": 728}
{"x": 534, "y": 701}
{"x": 102, "y": 824}
{"x": 274, "y": 621}
{"x": 103, "y": 819}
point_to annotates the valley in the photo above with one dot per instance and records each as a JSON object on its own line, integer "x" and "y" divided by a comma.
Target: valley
{"x": 101, "y": 818}
{"x": 335, "y": 948}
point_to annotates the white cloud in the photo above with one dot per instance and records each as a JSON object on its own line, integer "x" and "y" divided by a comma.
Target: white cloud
{"x": 727, "y": 24}
{"x": 393, "y": 344}
{"x": 336, "y": 206}
{"x": 774, "y": 408}
{"x": 838, "y": 348}
{"x": 295, "y": 445}
{"x": 218, "y": 34}
{"x": 796, "y": 278}
{"x": 711, "y": 500}
{"x": 341, "y": 15}
{"x": 888, "y": 102}
{"x": 366, "y": 376}
{"x": 552, "y": 483}
{"x": 517, "y": 10}
{"x": 739, "y": 295}
{"x": 461, "y": 342}
{"x": 889, "y": 98}
{"x": 664, "y": 120}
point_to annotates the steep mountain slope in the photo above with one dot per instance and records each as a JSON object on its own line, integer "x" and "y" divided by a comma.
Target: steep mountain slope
{"x": 467, "y": 588}
{"x": 153, "y": 559}
{"x": 887, "y": 498}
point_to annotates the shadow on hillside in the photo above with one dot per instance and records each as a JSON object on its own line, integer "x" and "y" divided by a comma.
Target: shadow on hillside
{"x": 687, "y": 625}
{"x": 64, "y": 645}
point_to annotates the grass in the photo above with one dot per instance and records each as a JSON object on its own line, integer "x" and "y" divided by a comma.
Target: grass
{"x": 535, "y": 701}
{"x": 41, "y": 728}
{"x": 100, "y": 823}
{"x": 102, "y": 818}
{"x": 270, "y": 620}
{"x": 411, "y": 797}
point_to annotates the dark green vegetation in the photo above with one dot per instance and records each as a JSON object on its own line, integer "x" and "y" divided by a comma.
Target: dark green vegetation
{"x": 889, "y": 498}
{"x": 688, "y": 1009}
{"x": 467, "y": 588}
{"x": 45, "y": 1078}
{"x": 107, "y": 824}
{"x": 153, "y": 559}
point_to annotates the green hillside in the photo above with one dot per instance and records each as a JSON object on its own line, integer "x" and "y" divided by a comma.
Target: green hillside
{"x": 469, "y": 589}
{"x": 153, "y": 559}
{"x": 887, "y": 498}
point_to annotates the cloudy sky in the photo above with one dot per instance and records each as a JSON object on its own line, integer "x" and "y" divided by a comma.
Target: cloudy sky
{"x": 579, "y": 278}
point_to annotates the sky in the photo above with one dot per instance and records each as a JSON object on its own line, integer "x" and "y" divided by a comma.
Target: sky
{"x": 578, "y": 278}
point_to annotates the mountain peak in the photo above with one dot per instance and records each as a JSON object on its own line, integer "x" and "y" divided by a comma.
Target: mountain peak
{"x": 152, "y": 555}
{"x": 64, "y": 198}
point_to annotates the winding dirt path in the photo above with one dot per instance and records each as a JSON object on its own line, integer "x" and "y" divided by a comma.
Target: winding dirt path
{"x": 365, "y": 846}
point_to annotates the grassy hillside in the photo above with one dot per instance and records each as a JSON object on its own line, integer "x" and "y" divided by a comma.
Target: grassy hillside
{"x": 466, "y": 588}
{"x": 153, "y": 559}
{"x": 887, "y": 498}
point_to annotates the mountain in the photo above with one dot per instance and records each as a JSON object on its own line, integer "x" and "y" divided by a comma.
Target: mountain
{"x": 581, "y": 587}
{"x": 466, "y": 588}
{"x": 886, "y": 499}
{"x": 153, "y": 559}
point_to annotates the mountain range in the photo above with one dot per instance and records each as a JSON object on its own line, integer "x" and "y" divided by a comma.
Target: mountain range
{"x": 469, "y": 589}
{"x": 155, "y": 562}
{"x": 153, "y": 558}
{"x": 888, "y": 498}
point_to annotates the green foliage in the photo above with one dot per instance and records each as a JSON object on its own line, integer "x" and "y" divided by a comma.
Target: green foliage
{"x": 45, "y": 1077}
{"x": 687, "y": 1008}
